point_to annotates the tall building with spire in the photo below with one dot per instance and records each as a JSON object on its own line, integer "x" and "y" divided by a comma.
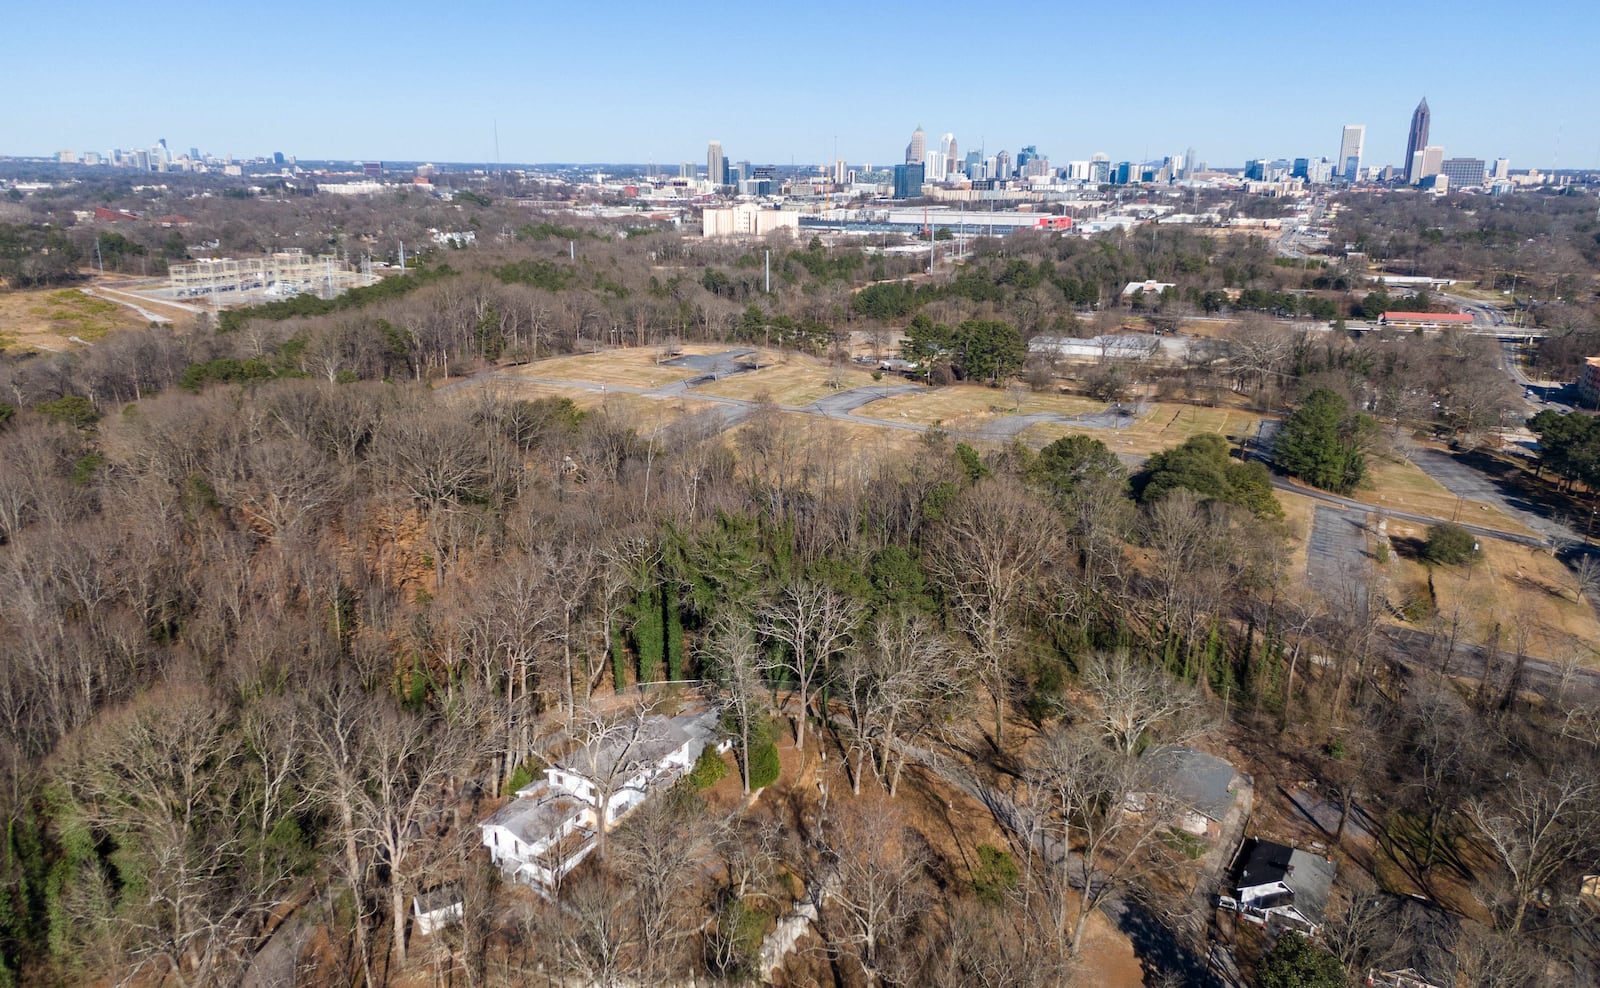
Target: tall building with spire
{"x": 1417, "y": 141}
{"x": 1350, "y": 148}
{"x": 952, "y": 154}
{"x": 917, "y": 150}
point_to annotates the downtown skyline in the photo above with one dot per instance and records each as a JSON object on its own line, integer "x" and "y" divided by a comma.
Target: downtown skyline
{"x": 630, "y": 85}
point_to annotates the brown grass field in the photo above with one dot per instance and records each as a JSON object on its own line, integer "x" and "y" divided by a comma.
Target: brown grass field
{"x": 1161, "y": 427}
{"x": 1400, "y": 484}
{"x": 47, "y": 319}
{"x": 788, "y": 379}
{"x": 1523, "y": 590}
{"x": 962, "y": 406}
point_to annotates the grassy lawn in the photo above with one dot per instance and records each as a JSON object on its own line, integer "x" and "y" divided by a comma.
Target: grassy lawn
{"x": 1523, "y": 590}
{"x": 1398, "y": 483}
{"x": 962, "y": 404}
{"x": 1298, "y": 513}
{"x": 788, "y": 379}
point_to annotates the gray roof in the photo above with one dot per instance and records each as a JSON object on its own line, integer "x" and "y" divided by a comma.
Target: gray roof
{"x": 538, "y": 812}
{"x": 1311, "y": 879}
{"x": 620, "y": 753}
{"x": 1203, "y": 783}
{"x": 1308, "y": 876}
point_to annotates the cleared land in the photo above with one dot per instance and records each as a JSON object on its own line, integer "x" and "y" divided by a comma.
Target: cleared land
{"x": 634, "y": 367}
{"x": 1520, "y": 589}
{"x": 787, "y": 379}
{"x": 963, "y": 405}
{"x": 1161, "y": 426}
{"x": 48, "y": 319}
{"x": 1401, "y": 484}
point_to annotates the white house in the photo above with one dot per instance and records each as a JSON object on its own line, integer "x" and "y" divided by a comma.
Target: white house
{"x": 1282, "y": 884}
{"x": 435, "y": 908}
{"x": 553, "y": 824}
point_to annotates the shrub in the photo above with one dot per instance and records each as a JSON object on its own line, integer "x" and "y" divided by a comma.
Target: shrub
{"x": 763, "y": 768}
{"x": 1449, "y": 545}
{"x": 708, "y": 769}
{"x": 995, "y": 875}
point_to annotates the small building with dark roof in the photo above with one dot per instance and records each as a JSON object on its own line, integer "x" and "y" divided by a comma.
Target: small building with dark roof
{"x": 1278, "y": 883}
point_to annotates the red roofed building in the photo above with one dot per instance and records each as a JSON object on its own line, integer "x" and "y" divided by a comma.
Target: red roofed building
{"x": 105, "y": 215}
{"x": 1424, "y": 320}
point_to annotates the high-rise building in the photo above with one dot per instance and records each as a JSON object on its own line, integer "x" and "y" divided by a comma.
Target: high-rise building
{"x": 1425, "y": 163}
{"x": 917, "y": 150}
{"x": 908, "y": 180}
{"x": 1188, "y": 163}
{"x": 952, "y": 154}
{"x": 934, "y": 165}
{"x": 1502, "y": 169}
{"x": 1463, "y": 172}
{"x": 1002, "y": 165}
{"x": 1417, "y": 141}
{"x": 974, "y": 165}
{"x": 716, "y": 164}
{"x": 1351, "y": 144}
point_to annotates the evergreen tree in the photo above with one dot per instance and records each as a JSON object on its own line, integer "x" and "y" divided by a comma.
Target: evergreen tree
{"x": 1321, "y": 443}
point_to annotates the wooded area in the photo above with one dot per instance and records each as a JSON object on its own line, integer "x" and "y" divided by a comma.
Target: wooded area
{"x": 286, "y": 612}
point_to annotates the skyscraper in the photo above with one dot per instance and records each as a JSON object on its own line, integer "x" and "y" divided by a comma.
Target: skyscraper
{"x": 1350, "y": 147}
{"x": 917, "y": 150}
{"x": 1418, "y": 139}
{"x": 716, "y": 164}
{"x": 952, "y": 154}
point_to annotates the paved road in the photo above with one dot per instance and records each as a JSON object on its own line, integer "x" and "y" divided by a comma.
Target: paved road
{"x": 1285, "y": 484}
{"x": 1472, "y": 485}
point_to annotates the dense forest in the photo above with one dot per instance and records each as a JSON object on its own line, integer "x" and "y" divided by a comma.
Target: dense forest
{"x": 283, "y": 619}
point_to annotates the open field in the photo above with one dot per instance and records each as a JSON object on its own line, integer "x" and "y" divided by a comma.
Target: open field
{"x": 651, "y": 413}
{"x": 1522, "y": 590}
{"x": 1397, "y": 483}
{"x": 47, "y": 319}
{"x": 633, "y": 367}
{"x": 788, "y": 379}
{"x": 964, "y": 405}
{"x": 1160, "y": 427}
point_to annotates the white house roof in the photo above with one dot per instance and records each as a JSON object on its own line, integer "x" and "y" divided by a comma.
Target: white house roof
{"x": 539, "y": 812}
{"x": 622, "y": 752}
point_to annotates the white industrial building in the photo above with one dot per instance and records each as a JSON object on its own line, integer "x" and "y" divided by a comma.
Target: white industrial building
{"x": 747, "y": 219}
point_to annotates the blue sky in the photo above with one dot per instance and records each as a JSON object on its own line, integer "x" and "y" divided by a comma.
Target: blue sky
{"x": 629, "y": 81}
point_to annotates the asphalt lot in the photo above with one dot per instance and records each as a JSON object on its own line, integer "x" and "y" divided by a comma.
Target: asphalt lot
{"x": 1336, "y": 553}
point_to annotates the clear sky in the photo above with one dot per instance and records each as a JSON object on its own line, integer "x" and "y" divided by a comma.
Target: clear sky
{"x": 628, "y": 81}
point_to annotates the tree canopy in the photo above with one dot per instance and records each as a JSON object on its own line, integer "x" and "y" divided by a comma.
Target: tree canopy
{"x": 1322, "y": 443}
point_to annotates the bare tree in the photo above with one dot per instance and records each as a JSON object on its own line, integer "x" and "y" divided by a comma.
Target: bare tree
{"x": 741, "y": 667}
{"x": 873, "y": 885}
{"x": 907, "y": 679}
{"x": 661, "y": 851}
{"x": 813, "y": 622}
{"x": 1536, "y": 827}
{"x": 988, "y": 554}
{"x": 1138, "y": 702}
{"x": 1093, "y": 835}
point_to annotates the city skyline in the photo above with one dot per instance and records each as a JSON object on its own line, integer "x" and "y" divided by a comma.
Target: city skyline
{"x": 348, "y": 84}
